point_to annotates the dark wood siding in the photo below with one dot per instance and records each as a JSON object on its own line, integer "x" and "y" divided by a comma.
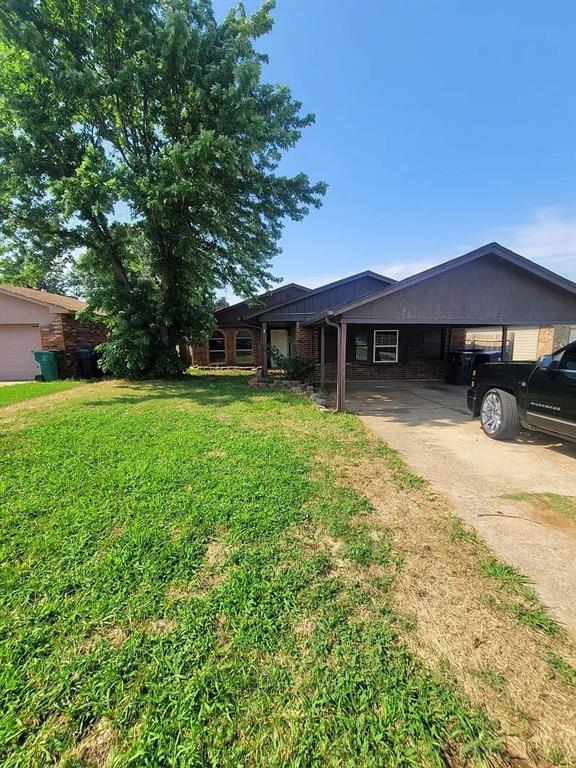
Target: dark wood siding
{"x": 416, "y": 343}
{"x": 233, "y": 315}
{"x": 486, "y": 291}
{"x": 308, "y": 306}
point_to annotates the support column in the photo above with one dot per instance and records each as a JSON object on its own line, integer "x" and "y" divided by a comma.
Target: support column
{"x": 264, "y": 349}
{"x": 322, "y": 356}
{"x": 341, "y": 376}
{"x": 504, "y": 351}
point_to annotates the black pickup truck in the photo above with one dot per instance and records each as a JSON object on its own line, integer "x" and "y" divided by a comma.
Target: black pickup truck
{"x": 540, "y": 396}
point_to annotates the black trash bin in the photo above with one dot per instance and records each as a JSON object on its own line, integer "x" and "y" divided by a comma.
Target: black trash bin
{"x": 486, "y": 356}
{"x": 460, "y": 367}
{"x": 87, "y": 363}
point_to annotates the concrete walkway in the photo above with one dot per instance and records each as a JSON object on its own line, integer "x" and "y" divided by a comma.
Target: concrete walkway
{"x": 431, "y": 427}
{"x": 7, "y": 383}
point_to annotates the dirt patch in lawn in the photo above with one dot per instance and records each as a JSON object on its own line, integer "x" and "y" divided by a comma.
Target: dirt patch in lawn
{"x": 160, "y": 627}
{"x": 96, "y": 747}
{"x": 18, "y": 414}
{"x": 460, "y": 621}
{"x": 549, "y": 509}
{"x": 213, "y": 570}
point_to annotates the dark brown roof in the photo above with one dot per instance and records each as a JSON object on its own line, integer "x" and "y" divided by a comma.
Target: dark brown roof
{"x": 490, "y": 249}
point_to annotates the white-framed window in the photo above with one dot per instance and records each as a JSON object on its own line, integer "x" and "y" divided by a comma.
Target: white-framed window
{"x": 385, "y": 349}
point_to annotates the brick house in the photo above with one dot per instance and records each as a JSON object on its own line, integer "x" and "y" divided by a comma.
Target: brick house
{"x": 370, "y": 327}
{"x": 33, "y": 320}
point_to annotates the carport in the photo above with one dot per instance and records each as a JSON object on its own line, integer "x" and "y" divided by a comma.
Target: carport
{"x": 403, "y": 332}
{"x": 409, "y": 402}
{"x": 428, "y": 424}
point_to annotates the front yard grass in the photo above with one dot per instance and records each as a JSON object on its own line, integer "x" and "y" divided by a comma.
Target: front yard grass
{"x": 191, "y": 577}
{"x": 18, "y": 393}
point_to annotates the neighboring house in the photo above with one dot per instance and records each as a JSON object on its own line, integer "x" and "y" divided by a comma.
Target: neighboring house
{"x": 33, "y": 320}
{"x": 370, "y": 327}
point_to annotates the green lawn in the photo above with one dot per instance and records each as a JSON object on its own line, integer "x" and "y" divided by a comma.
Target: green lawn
{"x": 17, "y": 393}
{"x": 184, "y": 583}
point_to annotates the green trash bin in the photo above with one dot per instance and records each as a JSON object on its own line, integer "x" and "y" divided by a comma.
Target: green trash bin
{"x": 48, "y": 364}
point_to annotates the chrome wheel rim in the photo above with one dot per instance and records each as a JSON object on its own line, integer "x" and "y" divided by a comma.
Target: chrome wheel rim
{"x": 491, "y": 415}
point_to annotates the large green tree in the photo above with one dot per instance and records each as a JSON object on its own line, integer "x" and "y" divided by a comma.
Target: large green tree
{"x": 141, "y": 135}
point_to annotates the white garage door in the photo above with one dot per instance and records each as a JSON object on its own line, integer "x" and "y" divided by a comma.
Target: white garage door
{"x": 16, "y": 345}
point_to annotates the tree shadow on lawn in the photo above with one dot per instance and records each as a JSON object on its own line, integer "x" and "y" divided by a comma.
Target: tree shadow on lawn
{"x": 209, "y": 391}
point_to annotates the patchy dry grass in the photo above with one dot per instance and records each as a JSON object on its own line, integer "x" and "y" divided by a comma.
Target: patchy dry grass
{"x": 200, "y": 574}
{"x": 549, "y": 504}
{"x": 11, "y": 394}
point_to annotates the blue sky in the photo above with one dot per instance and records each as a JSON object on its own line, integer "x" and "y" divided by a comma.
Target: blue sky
{"x": 440, "y": 126}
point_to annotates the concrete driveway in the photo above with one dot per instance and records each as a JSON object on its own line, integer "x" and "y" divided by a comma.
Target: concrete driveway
{"x": 429, "y": 424}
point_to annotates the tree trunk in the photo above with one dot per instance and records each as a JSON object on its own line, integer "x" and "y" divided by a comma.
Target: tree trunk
{"x": 184, "y": 352}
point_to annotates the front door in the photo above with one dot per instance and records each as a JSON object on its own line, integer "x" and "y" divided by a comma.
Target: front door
{"x": 280, "y": 340}
{"x": 552, "y": 396}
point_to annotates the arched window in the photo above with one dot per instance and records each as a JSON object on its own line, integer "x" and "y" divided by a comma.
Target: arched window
{"x": 217, "y": 348}
{"x": 244, "y": 354}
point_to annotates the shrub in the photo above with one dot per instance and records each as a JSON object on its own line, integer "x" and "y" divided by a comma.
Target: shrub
{"x": 295, "y": 367}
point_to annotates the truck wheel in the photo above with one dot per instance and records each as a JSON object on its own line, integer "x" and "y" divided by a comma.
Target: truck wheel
{"x": 499, "y": 415}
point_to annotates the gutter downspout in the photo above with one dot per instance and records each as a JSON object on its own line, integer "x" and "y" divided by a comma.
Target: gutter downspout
{"x": 339, "y": 403}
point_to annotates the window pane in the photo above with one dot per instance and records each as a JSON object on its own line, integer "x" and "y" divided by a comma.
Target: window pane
{"x": 217, "y": 356}
{"x": 216, "y": 341}
{"x": 217, "y": 348}
{"x": 361, "y": 344}
{"x": 244, "y": 347}
{"x": 385, "y": 354}
{"x": 569, "y": 361}
{"x": 385, "y": 338}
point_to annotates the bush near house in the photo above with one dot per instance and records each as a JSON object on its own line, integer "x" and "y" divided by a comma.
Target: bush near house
{"x": 295, "y": 367}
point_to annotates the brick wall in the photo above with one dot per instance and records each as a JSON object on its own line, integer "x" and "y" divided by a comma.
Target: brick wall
{"x": 561, "y": 337}
{"x": 304, "y": 341}
{"x": 545, "y": 340}
{"x": 457, "y": 338}
{"x": 356, "y": 371}
{"x": 65, "y": 334}
{"x": 200, "y": 353}
{"x": 52, "y": 334}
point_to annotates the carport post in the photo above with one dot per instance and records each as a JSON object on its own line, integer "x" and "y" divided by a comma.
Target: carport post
{"x": 322, "y": 356}
{"x": 504, "y": 351}
{"x": 341, "y": 389}
{"x": 264, "y": 350}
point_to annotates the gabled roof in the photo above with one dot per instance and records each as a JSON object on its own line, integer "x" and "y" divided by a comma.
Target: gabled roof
{"x": 68, "y": 303}
{"x": 234, "y": 314}
{"x": 494, "y": 249}
{"x": 327, "y": 287}
{"x": 268, "y": 293}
